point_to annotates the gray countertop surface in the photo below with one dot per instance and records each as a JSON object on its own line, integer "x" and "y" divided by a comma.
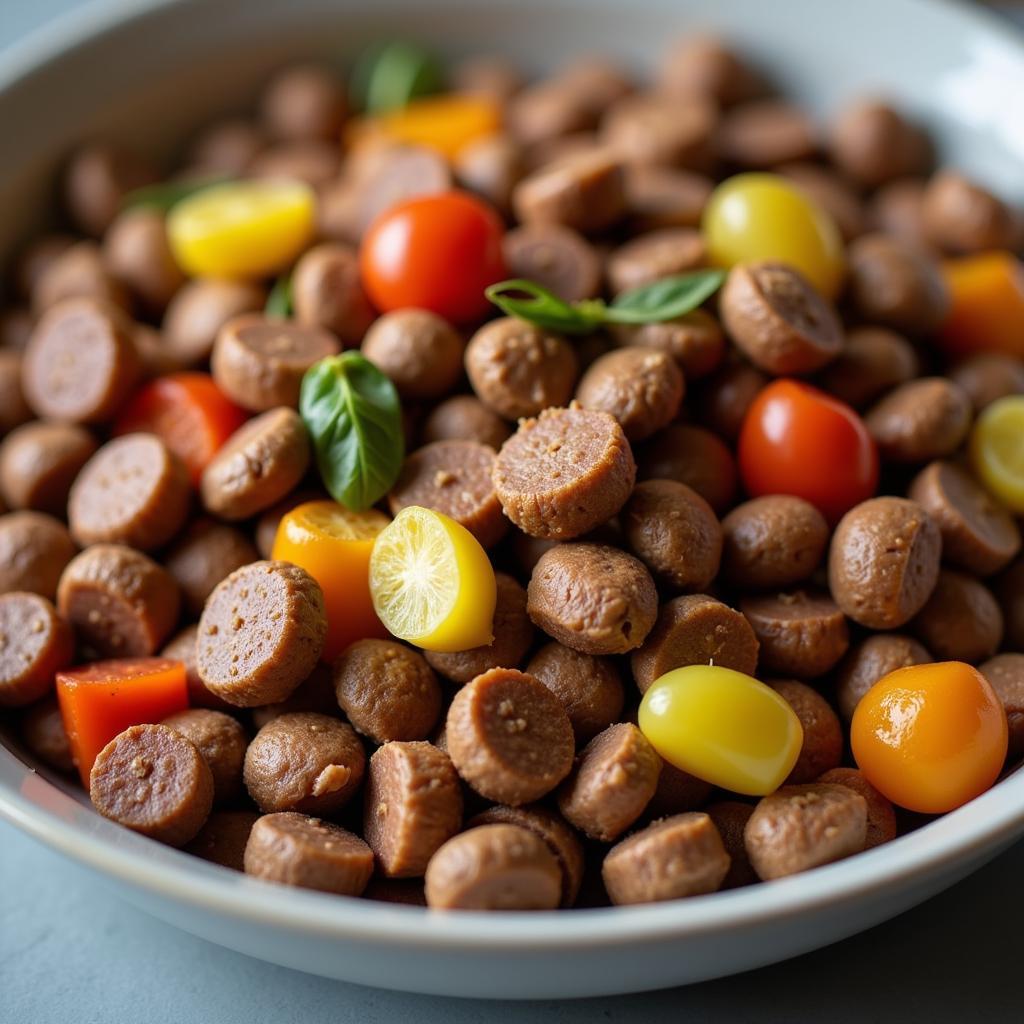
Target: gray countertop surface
{"x": 72, "y": 953}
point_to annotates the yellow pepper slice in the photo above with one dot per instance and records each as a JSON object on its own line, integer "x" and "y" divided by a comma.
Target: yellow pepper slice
{"x": 432, "y": 583}
{"x": 997, "y": 451}
{"x": 242, "y": 229}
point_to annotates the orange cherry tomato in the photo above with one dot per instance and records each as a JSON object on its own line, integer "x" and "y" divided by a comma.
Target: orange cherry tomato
{"x": 986, "y": 304}
{"x": 435, "y": 252}
{"x": 188, "y": 412}
{"x": 798, "y": 440}
{"x": 930, "y": 737}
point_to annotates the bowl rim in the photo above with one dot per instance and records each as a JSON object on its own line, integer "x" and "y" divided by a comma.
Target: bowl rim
{"x": 981, "y": 825}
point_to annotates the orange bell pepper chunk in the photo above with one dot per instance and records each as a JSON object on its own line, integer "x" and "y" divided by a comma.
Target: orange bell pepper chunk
{"x": 987, "y": 311}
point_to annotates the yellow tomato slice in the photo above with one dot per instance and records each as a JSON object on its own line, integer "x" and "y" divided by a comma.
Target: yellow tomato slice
{"x": 997, "y": 451}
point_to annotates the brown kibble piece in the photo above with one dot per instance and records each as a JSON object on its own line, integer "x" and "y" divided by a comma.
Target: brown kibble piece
{"x": 328, "y": 293}
{"x": 692, "y": 456}
{"x": 36, "y": 257}
{"x": 413, "y": 805}
{"x": 803, "y": 827}
{"x": 801, "y": 633}
{"x": 585, "y": 192}
{"x": 730, "y": 818}
{"x": 868, "y": 661}
{"x": 508, "y": 737}
{"x": 897, "y": 209}
{"x": 703, "y": 65}
{"x": 120, "y": 603}
{"x": 34, "y": 549}
{"x": 35, "y": 643}
{"x": 766, "y": 133}
{"x": 695, "y": 630}
{"x": 613, "y": 781}
{"x": 42, "y": 729}
{"x": 387, "y": 690}
{"x": 873, "y": 361}
{"x": 305, "y": 762}
{"x": 197, "y": 312}
{"x": 1005, "y": 674}
{"x": 881, "y": 820}
{"x": 39, "y": 461}
{"x": 304, "y": 102}
{"x": 961, "y": 621}
{"x": 924, "y": 419}
{"x": 822, "y": 748}
{"x": 96, "y": 180}
{"x": 420, "y": 351}
{"x": 650, "y": 257}
{"x": 491, "y": 75}
{"x": 694, "y": 340}
{"x": 153, "y": 780}
{"x": 206, "y": 554}
{"x": 226, "y": 147}
{"x": 832, "y": 192}
{"x": 653, "y": 130}
{"x": 14, "y": 410}
{"x": 726, "y": 397}
{"x": 221, "y": 741}
{"x": 223, "y": 838}
{"x": 137, "y": 253}
{"x": 677, "y": 793}
{"x": 494, "y": 867}
{"x": 293, "y": 849}
{"x": 989, "y": 376}
{"x": 874, "y": 144}
{"x": 564, "y": 473}
{"x": 465, "y": 418}
{"x": 884, "y": 561}
{"x": 314, "y": 693}
{"x": 555, "y": 257}
{"x": 79, "y": 272}
{"x": 962, "y": 217}
{"x": 491, "y": 167}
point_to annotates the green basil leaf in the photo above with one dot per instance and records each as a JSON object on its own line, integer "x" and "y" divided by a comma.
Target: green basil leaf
{"x": 166, "y": 194}
{"x": 665, "y": 299}
{"x": 279, "y": 301}
{"x": 389, "y": 75}
{"x": 529, "y": 301}
{"x": 354, "y": 417}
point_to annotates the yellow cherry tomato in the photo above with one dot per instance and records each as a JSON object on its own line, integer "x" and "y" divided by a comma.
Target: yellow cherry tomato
{"x": 754, "y": 217}
{"x": 930, "y": 737}
{"x": 723, "y": 726}
{"x": 242, "y": 229}
{"x": 997, "y": 451}
{"x": 432, "y": 583}
{"x": 333, "y": 544}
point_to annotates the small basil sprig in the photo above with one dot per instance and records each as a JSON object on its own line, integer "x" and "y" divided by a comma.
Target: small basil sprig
{"x": 354, "y": 418}
{"x": 279, "y": 301}
{"x": 166, "y": 194}
{"x": 389, "y": 75}
{"x": 652, "y": 303}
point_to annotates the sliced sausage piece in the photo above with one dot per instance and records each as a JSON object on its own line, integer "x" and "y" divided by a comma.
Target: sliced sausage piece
{"x": 803, "y": 827}
{"x": 881, "y": 820}
{"x": 508, "y": 737}
{"x": 924, "y": 419}
{"x": 822, "y": 748}
{"x": 133, "y": 491}
{"x": 961, "y": 620}
{"x": 694, "y": 340}
{"x": 513, "y": 637}
{"x": 305, "y": 762}
{"x": 293, "y": 849}
{"x": 977, "y": 534}
{"x": 154, "y": 781}
{"x": 35, "y": 643}
{"x": 589, "y": 688}
{"x": 665, "y": 197}
{"x": 777, "y": 319}
{"x": 801, "y": 633}
{"x": 674, "y": 532}
{"x": 34, "y": 549}
{"x": 765, "y": 133}
{"x": 121, "y": 603}
{"x": 183, "y": 647}
{"x": 39, "y": 461}
{"x": 206, "y": 554}
{"x": 258, "y": 465}
{"x": 585, "y": 191}
{"x": 1005, "y": 674}
{"x": 222, "y": 742}
{"x": 259, "y": 361}
{"x": 874, "y": 360}
{"x": 494, "y": 867}
{"x": 655, "y": 255}
{"x": 42, "y": 729}
{"x": 413, "y": 805}
{"x": 465, "y": 418}
{"x": 387, "y": 690}
{"x": 555, "y": 257}
{"x": 453, "y": 477}
{"x": 593, "y": 598}
{"x": 874, "y": 144}
{"x": 14, "y": 410}
{"x": 730, "y": 818}
{"x": 884, "y": 561}
{"x": 614, "y": 779}
{"x": 222, "y": 839}
{"x": 552, "y": 829}
{"x": 868, "y": 661}
{"x": 261, "y": 633}
{"x": 695, "y": 630}
{"x": 564, "y": 473}
{"x": 197, "y": 312}
{"x": 692, "y": 456}
{"x": 420, "y": 351}
{"x": 81, "y": 363}
{"x": 669, "y": 860}
{"x": 677, "y": 793}
{"x": 327, "y": 292}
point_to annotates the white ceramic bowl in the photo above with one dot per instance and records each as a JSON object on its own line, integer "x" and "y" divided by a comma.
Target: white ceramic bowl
{"x": 152, "y": 70}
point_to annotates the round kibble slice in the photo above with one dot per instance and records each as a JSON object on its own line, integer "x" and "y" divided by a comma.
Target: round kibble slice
{"x": 413, "y": 805}
{"x": 923, "y": 419}
{"x": 669, "y": 860}
{"x": 977, "y": 534}
{"x": 387, "y": 691}
{"x": 552, "y": 829}
{"x": 556, "y": 258}
{"x": 153, "y": 780}
{"x": 694, "y": 340}
{"x": 874, "y": 360}
{"x": 588, "y": 687}
{"x": 206, "y": 554}
{"x": 494, "y": 867}
{"x": 294, "y": 849}
{"x": 801, "y": 633}
{"x": 674, "y": 532}
{"x": 198, "y": 311}
{"x": 730, "y": 818}
{"x": 665, "y": 197}
{"x": 803, "y": 827}
{"x": 120, "y": 603}
{"x": 884, "y": 561}
{"x": 960, "y": 216}
{"x": 421, "y": 352}
{"x": 222, "y": 742}
{"x": 593, "y": 598}
{"x": 133, "y": 491}
{"x": 881, "y": 821}
{"x": 513, "y": 637}
{"x": 260, "y": 463}
{"x": 1005, "y": 674}
{"x": 261, "y": 633}
{"x": 302, "y": 761}
{"x": 585, "y": 191}
{"x": 508, "y": 737}
{"x": 695, "y": 630}
{"x": 989, "y": 376}
{"x": 34, "y": 549}
{"x": 42, "y": 729}
{"x": 39, "y": 461}
{"x": 822, "y": 747}
{"x": 222, "y": 839}
{"x": 465, "y": 418}
{"x": 773, "y": 541}
{"x": 453, "y": 477}
{"x": 259, "y": 362}
{"x": 695, "y": 457}
{"x": 613, "y": 781}
{"x": 778, "y": 320}
{"x": 766, "y": 133}
{"x": 873, "y": 143}
{"x": 35, "y": 642}
{"x": 868, "y": 661}
{"x": 655, "y": 255}
{"x": 327, "y": 292}
{"x": 961, "y": 621}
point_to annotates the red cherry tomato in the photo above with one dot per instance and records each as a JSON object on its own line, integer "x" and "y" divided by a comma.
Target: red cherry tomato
{"x": 798, "y": 440}
{"x": 436, "y": 252}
